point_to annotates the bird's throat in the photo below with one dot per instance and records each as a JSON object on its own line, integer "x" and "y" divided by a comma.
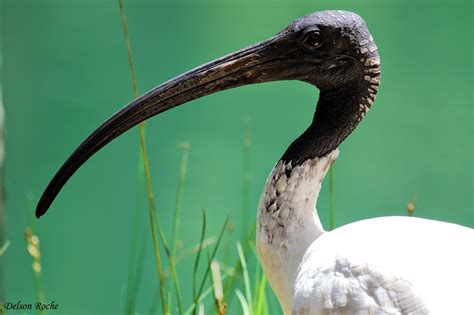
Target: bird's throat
{"x": 287, "y": 223}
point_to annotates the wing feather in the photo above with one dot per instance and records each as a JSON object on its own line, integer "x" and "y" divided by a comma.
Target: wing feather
{"x": 354, "y": 288}
{"x": 389, "y": 265}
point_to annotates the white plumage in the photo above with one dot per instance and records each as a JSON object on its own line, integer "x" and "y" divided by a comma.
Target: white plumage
{"x": 389, "y": 265}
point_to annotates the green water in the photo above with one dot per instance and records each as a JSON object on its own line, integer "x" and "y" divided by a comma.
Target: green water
{"x": 65, "y": 70}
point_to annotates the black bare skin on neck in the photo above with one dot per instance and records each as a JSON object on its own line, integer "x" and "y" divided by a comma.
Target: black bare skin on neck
{"x": 337, "y": 114}
{"x": 347, "y": 77}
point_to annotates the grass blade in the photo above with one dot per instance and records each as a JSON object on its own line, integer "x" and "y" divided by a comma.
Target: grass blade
{"x": 177, "y": 286}
{"x": 243, "y": 302}
{"x": 237, "y": 265}
{"x": 171, "y": 251}
{"x": 206, "y": 274}
{"x": 135, "y": 269}
{"x": 265, "y": 309}
{"x": 243, "y": 263}
{"x": 174, "y": 274}
{"x": 256, "y": 287}
{"x": 4, "y": 248}
{"x": 174, "y": 230}
{"x": 198, "y": 255}
{"x": 135, "y": 276}
{"x": 261, "y": 297}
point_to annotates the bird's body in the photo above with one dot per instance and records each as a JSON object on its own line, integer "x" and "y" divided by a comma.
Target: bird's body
{"x": 388, "y": 265}
{"x": 378, "y": 266}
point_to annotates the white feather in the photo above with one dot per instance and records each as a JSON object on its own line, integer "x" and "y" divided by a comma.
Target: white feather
{"x": 390, "y": 265}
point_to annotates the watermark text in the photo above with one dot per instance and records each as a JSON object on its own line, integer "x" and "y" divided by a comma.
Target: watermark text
{"x": 38, "y": 306}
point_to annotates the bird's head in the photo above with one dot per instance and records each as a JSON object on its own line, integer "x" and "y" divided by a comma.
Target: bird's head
{"x": 332, "y": 50}
{"x": 329, "y": 48}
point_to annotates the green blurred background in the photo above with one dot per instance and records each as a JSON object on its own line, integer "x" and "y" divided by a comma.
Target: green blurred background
{"x": 65, "y": 70}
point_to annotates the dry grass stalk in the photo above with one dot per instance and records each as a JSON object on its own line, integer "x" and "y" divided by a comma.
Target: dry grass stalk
{"x": 33, "y": 248}
{"x": 221, "y": 307}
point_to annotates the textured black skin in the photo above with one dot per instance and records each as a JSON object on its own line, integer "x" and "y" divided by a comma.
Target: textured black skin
{"x": 342, "y": 89}
{"x": 338, "y": 67}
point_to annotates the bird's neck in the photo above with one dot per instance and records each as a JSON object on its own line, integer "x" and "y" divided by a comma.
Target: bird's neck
{"x": 340, "y": 109}
{"x": 287, "y": 223}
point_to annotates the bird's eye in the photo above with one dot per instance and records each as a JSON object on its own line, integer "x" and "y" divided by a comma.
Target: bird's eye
{"x": 313, "y": 39}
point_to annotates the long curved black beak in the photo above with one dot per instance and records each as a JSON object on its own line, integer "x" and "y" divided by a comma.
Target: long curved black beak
{"x": 259, "y": 63}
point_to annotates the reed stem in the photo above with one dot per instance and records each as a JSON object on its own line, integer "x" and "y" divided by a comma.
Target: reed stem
{"x": 141, "y": 128}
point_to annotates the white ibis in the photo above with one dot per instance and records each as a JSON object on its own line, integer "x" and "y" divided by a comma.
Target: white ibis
{"x": 390, "y": 265}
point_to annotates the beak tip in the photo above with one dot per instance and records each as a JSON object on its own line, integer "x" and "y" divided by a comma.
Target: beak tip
{"x": 41, "y": 208}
